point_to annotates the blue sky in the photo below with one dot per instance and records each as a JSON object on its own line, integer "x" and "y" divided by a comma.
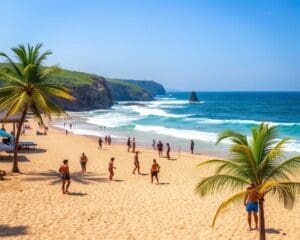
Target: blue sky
{"x": 189, "y": 45}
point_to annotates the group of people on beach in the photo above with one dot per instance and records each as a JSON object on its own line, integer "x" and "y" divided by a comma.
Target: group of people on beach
{"x": 131, "y": 144}
{"x": 107, "y": 140}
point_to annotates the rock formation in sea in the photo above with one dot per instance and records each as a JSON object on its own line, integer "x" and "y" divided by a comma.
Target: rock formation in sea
{"x": 193, "y": 97}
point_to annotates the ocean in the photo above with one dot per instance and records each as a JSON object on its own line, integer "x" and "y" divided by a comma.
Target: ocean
{"x": 171, "y": 118}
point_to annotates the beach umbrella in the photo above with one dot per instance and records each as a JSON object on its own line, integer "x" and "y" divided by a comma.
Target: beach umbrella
{"x": 5, "y": 134}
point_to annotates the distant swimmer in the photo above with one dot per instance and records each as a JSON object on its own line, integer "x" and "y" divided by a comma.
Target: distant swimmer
{"x": 136, "y": 163}
{"x": 154, "y": 171}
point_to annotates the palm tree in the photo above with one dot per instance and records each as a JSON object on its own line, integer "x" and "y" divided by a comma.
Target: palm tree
{"x": 26, "y": 87}
{"x": 259, "y": 161}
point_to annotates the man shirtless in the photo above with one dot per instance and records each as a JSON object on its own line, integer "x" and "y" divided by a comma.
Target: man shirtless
{"x": 111, "y": 168}
{"x": 154, "y": 171}
{"x": 251, "y": 204}
{"x": 65, "y": 177}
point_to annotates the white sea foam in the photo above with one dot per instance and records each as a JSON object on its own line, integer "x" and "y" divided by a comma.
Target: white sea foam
{"x": 112, "y": 119}
{"x": 239, "y": 121}
{"x": 183, "y": 134}
{"x": 145, "y": 111}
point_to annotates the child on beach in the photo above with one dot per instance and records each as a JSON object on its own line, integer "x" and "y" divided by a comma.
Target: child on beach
{"x": 154, "y": 171}
{"x": 83, "y": 161}
{"x": 136, "y": 163}
{"x": 128, "y": 144}
{"x": 111, "y": 168}
{"x": 65, "y": 176}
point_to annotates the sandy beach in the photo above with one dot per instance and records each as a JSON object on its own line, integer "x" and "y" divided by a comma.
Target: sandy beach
{"x": 33, "y": 207}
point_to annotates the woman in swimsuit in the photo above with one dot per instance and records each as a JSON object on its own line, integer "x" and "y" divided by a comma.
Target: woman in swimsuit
{"x": 65, "y": 176}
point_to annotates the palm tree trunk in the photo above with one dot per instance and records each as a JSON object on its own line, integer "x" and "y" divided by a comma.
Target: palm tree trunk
{"x": 262, "y": 231}
{"x": 15, "y": 168}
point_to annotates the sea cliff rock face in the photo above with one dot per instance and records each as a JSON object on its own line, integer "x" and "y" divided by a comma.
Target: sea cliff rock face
{"x": 193, "y": 97}
{"x": 88, "y": 97}
{"x": 122, "y": 91}
{"x": 152, "y": 87}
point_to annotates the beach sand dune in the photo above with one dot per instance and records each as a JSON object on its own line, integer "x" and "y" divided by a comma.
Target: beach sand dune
{"x": 33, "y": 207}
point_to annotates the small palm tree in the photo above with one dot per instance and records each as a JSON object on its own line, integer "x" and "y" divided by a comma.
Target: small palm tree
{"x": 259, "y": 161}
{"x": 26, "y": 87}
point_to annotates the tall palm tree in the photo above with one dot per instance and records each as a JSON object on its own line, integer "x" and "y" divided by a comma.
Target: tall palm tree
{"x": 26, "y": 87}
{"x": 259, "y": 161}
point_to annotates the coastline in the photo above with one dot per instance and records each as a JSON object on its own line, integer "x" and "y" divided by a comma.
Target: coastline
{"x": 130, "y": 208}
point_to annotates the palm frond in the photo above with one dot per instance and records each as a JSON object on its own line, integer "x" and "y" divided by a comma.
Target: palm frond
{"x": 12, "y": 64}
{"x": 286, "y": 193}
{"x": 212, "y": 184}
{"x": 229, "y": 201}
{"x": 234, "y": 136}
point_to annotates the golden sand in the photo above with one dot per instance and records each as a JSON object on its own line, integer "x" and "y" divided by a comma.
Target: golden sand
{"x": 33, "y": 207}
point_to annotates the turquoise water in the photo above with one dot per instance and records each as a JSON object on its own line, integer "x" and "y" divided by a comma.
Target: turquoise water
{"x": 173, "y": 119}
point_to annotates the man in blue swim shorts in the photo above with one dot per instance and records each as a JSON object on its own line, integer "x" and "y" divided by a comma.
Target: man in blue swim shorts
{"x": 251, "y": 203}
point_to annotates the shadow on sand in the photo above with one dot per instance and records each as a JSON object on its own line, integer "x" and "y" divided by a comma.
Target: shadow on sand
{"x": 77, "y": 194}
{"x": 32, "y": 150}
{"x": 54, "y": 178}
{"x": 7, "y": 231}
{"x": 164, "y": 183}
{"x": 10, "y": 158}
{"x": 274, "y": 231}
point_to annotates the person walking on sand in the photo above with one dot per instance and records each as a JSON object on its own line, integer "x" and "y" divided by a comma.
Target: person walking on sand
{"x": 153, "y": 144}
{"x": 109, "y": 140}
{"x": 133, "y": 145}
{"x": 111, "y": 168}
{"x": 251, "y": 204}
{"x": 154, "y": 171}
{"x": 65, "y": 177}
{"x": 192, "y": 146}
{"x": 168, "y": 151}
{"x": 136, "y": 163}
{"x": 160, "y": 147}
{"x": 128, "y": 144}
{"x": 100, "y": 141}
{"x": 83, "y": 161}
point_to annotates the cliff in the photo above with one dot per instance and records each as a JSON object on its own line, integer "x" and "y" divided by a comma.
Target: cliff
{"x": 125, "y": 91}
{"x": 152, "y": 87}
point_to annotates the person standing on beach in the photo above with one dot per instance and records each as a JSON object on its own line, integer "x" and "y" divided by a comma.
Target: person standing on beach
{"x": 160, "y": 147}
{"x": 154, "y": 171}
{"x": 251, "y": 204}
{"x": 108, "y": 140}
{"x": 128, "y": 144}
{"x": 168, "y": 151}
{"x": 192, "y": 146}
{"x": 111, "y": 168}
{"x": 153, "y": 144}
{"x": 136, "y": 163}
{"x": 65, "y": 177}
{"x": 83, "y": 161}
{"x": 100, "y": 141}
{"x": 133, "y": 145}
